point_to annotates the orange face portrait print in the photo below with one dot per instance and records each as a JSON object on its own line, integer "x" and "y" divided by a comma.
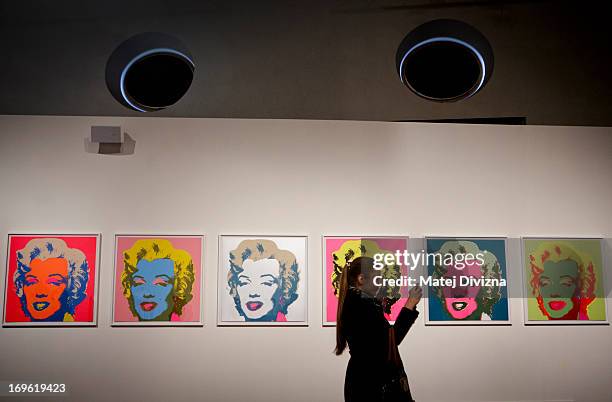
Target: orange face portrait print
{"x": 51, "y": 280}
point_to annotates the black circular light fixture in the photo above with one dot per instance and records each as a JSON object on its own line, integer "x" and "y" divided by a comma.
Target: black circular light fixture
{"x": 445, "y": 60}
{"x": 149, "y": 71}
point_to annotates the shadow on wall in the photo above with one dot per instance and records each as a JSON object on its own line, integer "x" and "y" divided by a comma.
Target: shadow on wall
{"x": 126, "y": 147}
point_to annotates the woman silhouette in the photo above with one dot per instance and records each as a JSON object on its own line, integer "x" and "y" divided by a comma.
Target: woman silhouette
{"x": 362, "y": 325}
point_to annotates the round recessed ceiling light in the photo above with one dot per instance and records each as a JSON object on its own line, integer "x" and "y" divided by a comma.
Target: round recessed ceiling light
{"x": 444, "y": 60}
{"x": 149, "y": 72}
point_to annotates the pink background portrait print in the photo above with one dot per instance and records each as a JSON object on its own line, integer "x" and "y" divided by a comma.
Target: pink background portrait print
{"x": 333, "y": 245}
{"x": 82, "y": 310}
{"x": 159, "y": 277}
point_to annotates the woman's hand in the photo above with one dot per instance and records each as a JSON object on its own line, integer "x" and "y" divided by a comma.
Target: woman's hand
{"x": 414, "y": 296}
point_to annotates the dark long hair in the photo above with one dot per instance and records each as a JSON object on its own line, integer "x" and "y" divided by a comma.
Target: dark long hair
{"x": 348, "y": 278}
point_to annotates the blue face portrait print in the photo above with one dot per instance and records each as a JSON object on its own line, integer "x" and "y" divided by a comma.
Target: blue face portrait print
{"x": 152, "y": 289}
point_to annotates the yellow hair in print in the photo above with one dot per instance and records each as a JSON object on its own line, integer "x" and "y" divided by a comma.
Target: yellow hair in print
{"x": 154, "y": 249}
{"x": 352, "y": 249}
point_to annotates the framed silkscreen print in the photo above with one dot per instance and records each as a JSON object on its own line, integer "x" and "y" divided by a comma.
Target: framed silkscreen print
{"x": 263, "y": 280}
{"x": 469, "y": 281}
{"x": 564, "y": 280}
{"x": 51, "y": 280}
{"x": 340, "y": 250}
{"x": 158, "y": 280}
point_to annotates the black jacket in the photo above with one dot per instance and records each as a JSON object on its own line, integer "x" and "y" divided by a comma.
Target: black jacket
{"x": 367, "y": 333}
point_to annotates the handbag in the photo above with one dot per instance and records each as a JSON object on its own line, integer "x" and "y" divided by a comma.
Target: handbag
{"x": 395, "y": 387}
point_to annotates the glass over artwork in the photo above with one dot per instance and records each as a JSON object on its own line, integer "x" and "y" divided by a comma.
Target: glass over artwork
{"x": 51, "y": 280}
{"x": 262, "y": 280}
{"x": 564, "y": 281}
{"x": 485, "y": 301}
{"x": 158, "y": 280}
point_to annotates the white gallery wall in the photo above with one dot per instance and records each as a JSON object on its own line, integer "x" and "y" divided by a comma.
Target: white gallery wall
{"x": 274, "y": 177}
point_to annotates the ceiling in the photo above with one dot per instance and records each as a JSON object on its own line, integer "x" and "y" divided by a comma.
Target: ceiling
{"x": 310, "y": 60}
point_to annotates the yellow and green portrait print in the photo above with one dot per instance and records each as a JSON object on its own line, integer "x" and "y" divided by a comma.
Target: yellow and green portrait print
{"x": 564, "y": 280}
